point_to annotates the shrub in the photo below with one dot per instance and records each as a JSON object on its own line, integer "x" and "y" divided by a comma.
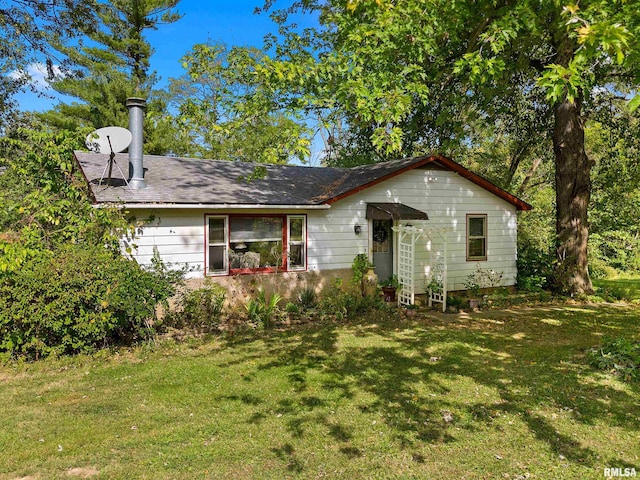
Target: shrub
{"x": 613, "y": 251}
{"x": 262, "y": 309}
{"x": 620, "y": 356}
{"x": 292, "y": 308}
{"x": 308, "y": 298}
{"x": 359, "y": 268}
{"x": 482, "y": 278}
{"x": 455, "y": 301}
{"x": 200, "y": 309}
{"x": 76, "y": 299}
{"x": 348, "y": 305}
{"x": 535, "y": 268}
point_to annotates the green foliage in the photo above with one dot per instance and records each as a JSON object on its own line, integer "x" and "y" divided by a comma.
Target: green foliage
{"x": 261, "y": 309}
{"x": 199, "y": 309}
{"x": 292, "y": 308}
{"x": 28, "y": 28}
{"x": 46, "y": 201}
{"x": 620, "y": 356}
{"x": 392, "y": 282}
{"x": 307, "y": 297}
{"x": 626, "y": 288}
{"x": 536, "y": 240}
{"x": 535, "y": 268}
{"x": 359, "y": 267}
{"x": 455, "y": 301}
{"x": 64, "y": 285}
{"x": 402, "y": 78}
{"x": 77, "y": 299}
{"x": 110, "y": 65}
{"x": 613, "y": 251}
{"x": 226, "y": 112}
{"x": 482, "y": 278}
{"x": 348, "y": 305}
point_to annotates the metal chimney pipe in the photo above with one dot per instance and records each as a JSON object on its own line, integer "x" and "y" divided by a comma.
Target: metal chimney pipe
{"x": 136, "y": 108}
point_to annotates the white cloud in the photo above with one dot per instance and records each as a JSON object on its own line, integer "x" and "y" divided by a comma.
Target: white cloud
{"x": 37, "y": 75}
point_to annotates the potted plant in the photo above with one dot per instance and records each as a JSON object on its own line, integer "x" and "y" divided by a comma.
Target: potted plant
{"x": 364, "y": 274}
{"x": 389, "y": 287}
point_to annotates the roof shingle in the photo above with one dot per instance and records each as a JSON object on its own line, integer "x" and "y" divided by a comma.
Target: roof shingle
{"x": 175, "y": 180}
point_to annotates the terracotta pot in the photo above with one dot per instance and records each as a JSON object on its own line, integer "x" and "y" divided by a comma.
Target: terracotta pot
{"x": 474, "y": 303}
{"x": 389, "y": 294}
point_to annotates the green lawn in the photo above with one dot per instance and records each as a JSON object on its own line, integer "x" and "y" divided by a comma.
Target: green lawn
{"x": 499, "y": 394}
{"x": 621, "y": 288}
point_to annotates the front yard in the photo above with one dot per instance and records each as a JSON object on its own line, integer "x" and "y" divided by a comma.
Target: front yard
{"x": 498, "y": 394}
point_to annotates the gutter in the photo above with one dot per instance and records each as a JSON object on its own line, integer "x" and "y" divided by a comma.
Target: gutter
{"x": 209, "y": 206}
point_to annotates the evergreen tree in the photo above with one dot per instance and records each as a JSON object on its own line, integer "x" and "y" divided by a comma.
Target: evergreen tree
{"x": 110, "y": 64}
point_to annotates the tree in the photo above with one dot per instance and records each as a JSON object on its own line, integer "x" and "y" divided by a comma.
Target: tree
{"x": 416, "y": 75}
{"x": 28, "y": 27}
{"x": 110, "y": 64}
{"x": 224, "y": 114}
{"x": 65, "y": 286}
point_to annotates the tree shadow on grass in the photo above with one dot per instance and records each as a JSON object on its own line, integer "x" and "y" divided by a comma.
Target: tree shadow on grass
{"x": 530, "y": 362}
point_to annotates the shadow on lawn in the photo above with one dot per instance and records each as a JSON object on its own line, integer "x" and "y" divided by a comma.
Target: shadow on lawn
{"x": 531, "y": 360}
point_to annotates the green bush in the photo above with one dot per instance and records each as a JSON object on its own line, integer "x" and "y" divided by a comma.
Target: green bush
{"x": 613, "y": 251}
{"x": 200, "y": 309}
{"x": 308, "y": 298}
{"x": 344, "y": 304}
{"x": 292, "y": 308}
{"x": 77, "y": 299}
{"x": 620, "y": 356}
{"x": 535, "y": 267}
{"x": 261, "y": 309}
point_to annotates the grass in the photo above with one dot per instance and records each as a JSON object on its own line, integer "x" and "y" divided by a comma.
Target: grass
{"x": 498, "y": 394}
{"x": 619, "y": 288}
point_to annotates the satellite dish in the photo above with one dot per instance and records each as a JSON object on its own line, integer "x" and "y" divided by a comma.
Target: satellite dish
{"x": 108, "y": 140}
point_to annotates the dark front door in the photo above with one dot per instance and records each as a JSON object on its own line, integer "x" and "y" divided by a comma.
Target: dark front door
{"x": 383, "y": 248}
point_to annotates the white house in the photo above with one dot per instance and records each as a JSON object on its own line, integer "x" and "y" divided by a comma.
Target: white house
{"x": 225, "y": 219}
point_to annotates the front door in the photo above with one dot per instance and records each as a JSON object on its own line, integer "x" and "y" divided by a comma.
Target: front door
{"x": 382, "y": 249}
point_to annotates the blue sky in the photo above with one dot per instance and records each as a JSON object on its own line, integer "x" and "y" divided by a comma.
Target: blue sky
{"x": 230, "y": 21}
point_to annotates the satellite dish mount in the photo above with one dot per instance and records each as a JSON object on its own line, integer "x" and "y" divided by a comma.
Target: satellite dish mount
{"x": 112, "y": 140}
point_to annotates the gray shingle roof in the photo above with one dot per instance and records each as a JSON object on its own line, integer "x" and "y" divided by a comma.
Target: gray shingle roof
{"x": 191, "y": 181}
{"x": 172, "y": 180}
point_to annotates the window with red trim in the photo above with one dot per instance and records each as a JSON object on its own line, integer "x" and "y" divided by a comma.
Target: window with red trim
{"x": 255, "y": 243}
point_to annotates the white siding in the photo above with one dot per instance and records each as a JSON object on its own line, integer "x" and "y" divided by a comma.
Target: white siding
{"x": 447, "y": 198}
{"x": 332, "y": 243}
{"x": 178, "y": 236}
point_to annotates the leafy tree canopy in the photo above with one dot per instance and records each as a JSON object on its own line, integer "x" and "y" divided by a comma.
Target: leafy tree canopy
{"x": 225, "y": 112}
{"x": 27, "y": 29}
{"x": 412, "y": 76}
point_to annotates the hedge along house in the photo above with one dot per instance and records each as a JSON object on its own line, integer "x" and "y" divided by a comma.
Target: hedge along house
{"x": 294, "y": 226}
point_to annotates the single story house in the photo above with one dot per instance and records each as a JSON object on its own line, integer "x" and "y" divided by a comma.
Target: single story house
{"x": 228, "y": 219}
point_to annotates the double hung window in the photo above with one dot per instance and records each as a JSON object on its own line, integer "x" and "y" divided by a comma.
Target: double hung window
{"x": 476, "y": 237}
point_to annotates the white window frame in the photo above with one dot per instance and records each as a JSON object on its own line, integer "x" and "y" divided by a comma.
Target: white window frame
{"x": 302, "y": 242}
{"x": 225, "y": 244}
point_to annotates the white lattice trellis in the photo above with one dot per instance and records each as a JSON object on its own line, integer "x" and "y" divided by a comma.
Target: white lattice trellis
{"x": 437, "y": 278}
{"x": 408, "y": 236}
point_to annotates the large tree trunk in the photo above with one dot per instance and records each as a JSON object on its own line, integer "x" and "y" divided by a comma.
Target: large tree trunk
{"x": 573, "y": 190}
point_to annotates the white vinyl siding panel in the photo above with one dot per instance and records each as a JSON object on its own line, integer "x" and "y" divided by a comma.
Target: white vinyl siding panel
{"x": 446, "y": 197}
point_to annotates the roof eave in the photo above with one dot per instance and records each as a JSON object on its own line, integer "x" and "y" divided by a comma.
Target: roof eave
{"x": 208, "y": 206}
{"x": 449, "y": 164}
